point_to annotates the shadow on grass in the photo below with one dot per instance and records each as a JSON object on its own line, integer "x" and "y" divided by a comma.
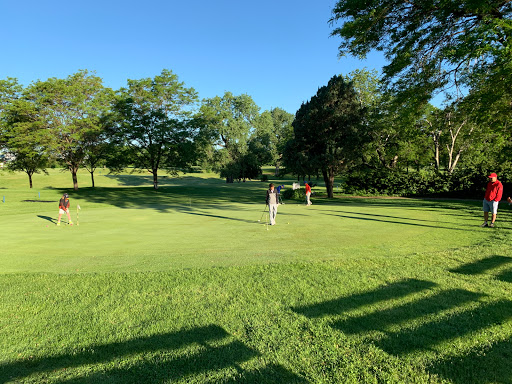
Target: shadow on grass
{"x": 48, "y": 218}
{"x": 173, "y": 197}
{"x": 155, "y": 359}
{"x": 431, "y": 305}
{"x": 483, "y": 365}
{"x": 424, "y": 323}
{"x": 444, "y": 328}
{"x": 505, "y": 276}
{"x": 392, "y": 291}
{"x": 376, "y": 218}
{"x": 483, "y": 265}
{"x": 395, "y": 217}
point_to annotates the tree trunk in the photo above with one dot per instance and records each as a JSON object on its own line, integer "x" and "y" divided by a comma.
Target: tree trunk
{"x": 74, "y": 171}
{"x": 329, "y": 182}
{"x": 30, "y": 178}
{"x": 92, "y": 178}
{"x": 155, "y": 178}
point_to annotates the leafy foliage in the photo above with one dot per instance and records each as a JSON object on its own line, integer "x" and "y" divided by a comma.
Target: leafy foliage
{"x": 431, "y": 45}
{"x": 152, "y": 124}
{"x": 327, "y": 131}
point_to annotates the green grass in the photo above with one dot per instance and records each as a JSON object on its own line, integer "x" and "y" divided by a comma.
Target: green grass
{"x": 185, "y": 285}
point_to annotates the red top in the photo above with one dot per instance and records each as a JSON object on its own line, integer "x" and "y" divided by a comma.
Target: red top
{"x": 63, "y": 204}
{"x": 308, "y": 188}
{"x": 494, "y": 191}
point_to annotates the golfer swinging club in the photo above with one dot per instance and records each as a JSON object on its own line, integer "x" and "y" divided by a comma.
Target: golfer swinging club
{"x": 64, "y": 208}
{"x": 272, "y": 203}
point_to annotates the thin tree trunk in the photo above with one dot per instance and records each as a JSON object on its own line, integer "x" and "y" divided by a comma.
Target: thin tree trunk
{"x": 155, "y": 178}
{"x": 92, "y": 178}
{"x": 30, "y": 178}
{"x": 74, "y": 171}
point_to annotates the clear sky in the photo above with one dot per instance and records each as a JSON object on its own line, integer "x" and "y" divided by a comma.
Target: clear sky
{"x": 279, "y": 52}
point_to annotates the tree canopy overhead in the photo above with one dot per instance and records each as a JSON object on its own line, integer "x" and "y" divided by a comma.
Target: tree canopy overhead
{"x": 431, "y": 45}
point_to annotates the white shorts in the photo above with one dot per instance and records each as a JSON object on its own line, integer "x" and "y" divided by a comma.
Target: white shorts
{"x": 490, "y": 206}
{"x": 61, "y": 211}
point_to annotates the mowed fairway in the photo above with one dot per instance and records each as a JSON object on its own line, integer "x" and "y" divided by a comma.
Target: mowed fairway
{"x": 184, "y": 284}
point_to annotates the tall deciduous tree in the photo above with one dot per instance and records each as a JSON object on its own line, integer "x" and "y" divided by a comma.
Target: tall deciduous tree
{"x": 431, "y": 45}
{"x": 71, "y": 109}
{"x": 281, "y": 133}
{"x": 327, "y": 129}
{"x": 10, "y": 91}
{"x": 153, "y": 120}
{"x": 230, "y": 121}
{"x": 25, "y": 137}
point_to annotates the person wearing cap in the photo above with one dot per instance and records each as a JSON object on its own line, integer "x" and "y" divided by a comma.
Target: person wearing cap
{"x": 272, "y": 202}
{"x": 492, "y": 197}
{"x": 64, "y": 208}
{"x": 308, "y": 193}
{"x": 278, "y": 189}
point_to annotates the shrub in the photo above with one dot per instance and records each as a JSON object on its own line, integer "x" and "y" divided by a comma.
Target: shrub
{"x": 294, "y": 194}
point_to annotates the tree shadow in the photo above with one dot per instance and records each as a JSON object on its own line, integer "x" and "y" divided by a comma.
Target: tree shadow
{"x": 398, "y": 218}
{"x": 424, "y": 323}
{"x": 505, "y": 276}
{"x": 50, "y": 219}
{"x": 154, "y": 359}
{"x": 446, "y": 328}
{"x": 375, "y": 218}
{"x": 481, "y": 266}
{"x": 482, "y": 365}
{"x": 391, "y": 291}
{"x": 431, "y": 305}
{"x": 170, "y": 198}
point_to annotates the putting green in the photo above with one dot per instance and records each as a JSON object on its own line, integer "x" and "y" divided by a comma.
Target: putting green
{"x": 199, "y": 221}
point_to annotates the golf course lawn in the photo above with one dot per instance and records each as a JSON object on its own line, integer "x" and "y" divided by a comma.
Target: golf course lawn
{"x": 185, "y": 284}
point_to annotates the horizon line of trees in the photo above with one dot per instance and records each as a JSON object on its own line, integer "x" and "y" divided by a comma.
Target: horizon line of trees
{"x": 153, "y": 124}
{"x": 379, "y": 132}
{"x": 352, "y": 128}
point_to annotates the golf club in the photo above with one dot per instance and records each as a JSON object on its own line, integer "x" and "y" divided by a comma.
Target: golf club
{"x": 264, "y": 210}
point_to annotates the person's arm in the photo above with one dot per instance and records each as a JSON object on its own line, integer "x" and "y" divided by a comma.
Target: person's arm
{"x": 499, "y": 192}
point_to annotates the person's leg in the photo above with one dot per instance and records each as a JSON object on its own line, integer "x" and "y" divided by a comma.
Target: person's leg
{"x": 485, "y": 208}
{"x": 494, "y": 212}
{"x": 273, "y": 212}
{"x": 69, "y": 218}
{"x": 58, "y": 220}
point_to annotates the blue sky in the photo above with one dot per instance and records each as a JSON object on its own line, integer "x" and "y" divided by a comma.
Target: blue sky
{"x": 278, "y": 52}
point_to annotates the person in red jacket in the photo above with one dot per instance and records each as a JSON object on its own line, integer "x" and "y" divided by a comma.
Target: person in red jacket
{"x": 308, "y": 194}
{"x": 492, "y": 197}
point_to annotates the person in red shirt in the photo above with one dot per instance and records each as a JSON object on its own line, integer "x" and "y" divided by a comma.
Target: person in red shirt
{"x": 64, "y": 208}
{"x": 308, "y": 194}
{"x": 492, "y": 197}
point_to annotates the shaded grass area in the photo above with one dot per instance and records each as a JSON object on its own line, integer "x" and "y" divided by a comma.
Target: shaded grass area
{"x": 388, "y": 321}
{"x": 353, "y": 291}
